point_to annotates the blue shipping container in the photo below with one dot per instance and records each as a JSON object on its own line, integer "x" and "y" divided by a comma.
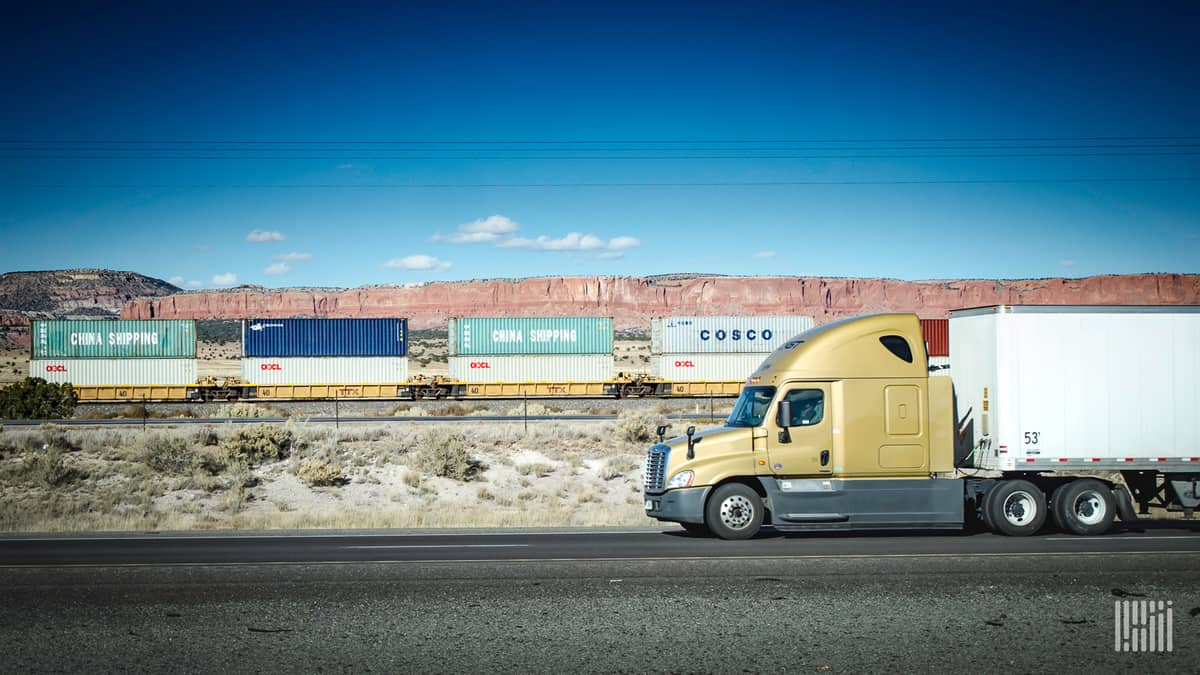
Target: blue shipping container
{"x": 265, "y": 338}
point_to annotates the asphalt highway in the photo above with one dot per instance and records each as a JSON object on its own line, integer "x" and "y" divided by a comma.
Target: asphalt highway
{"x": 668, "y": 543}
{"x": 598, "y": 601}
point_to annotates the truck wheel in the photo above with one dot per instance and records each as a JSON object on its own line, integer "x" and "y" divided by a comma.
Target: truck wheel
{"x": 696, "y": 529}
{"x": 1055, "y": 514}
{"x": 1016, "y": 508}
{"x": 1085, "y": 507}
{"x": 734, "y": 511}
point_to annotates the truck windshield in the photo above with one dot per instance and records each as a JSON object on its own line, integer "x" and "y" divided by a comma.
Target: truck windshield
{"x": 751, "y": 407}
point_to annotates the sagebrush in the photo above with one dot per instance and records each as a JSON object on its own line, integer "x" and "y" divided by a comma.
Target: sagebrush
{"x": 319, "y": 472}
{"x": 258, "y": 443}
{"x": 636, "y": 427}
{"x": 444, "y": 453}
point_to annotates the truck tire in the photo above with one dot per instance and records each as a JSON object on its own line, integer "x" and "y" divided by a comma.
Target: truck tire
{"x": 734, "y": 511}
{"x": 1125, "y": 510}
{"x": 1085, "y": 507}
{"x": 1055, "y": 498}
{"x": 1016, "y": 508}
{"x": 696, "y": 529}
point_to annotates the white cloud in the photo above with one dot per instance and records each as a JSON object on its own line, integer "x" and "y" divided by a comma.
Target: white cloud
{"x": 293, "y": 257}
{"x": 573, "y": 241}
{"x": 1067, "y": 263}
{"x": 610, "y": 255}
{"x": 277, "y": 268}
{"x": 480, "y": 231}
{"x": 194, "y": 283}
{"x": 765, "y": 254}
{"x": 227, "y": 279}
{"x": 265, "y": 235}
{"x": 175, "y": 281}
{"x": 418, "y": 262}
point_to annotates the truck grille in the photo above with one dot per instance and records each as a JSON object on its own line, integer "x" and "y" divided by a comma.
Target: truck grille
{"x": 655, "y": 469}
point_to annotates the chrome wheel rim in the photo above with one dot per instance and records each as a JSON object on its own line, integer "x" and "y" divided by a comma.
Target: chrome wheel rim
{"x": 736, "y": 512}
{"x": 1089, "y": 508}
{"x": 1020, "y": 508}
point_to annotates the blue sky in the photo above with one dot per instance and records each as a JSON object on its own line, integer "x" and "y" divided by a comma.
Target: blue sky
{"x": 392, "y": 143}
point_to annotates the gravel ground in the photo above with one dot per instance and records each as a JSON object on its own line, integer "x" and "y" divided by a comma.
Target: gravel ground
{"x": 720, "y": 407}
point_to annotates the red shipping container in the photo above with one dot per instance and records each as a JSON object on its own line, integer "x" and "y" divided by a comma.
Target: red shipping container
{"x": 937, "y": 336}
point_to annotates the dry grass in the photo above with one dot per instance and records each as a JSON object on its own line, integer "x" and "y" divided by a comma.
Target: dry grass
{"x": 275, "y": 476}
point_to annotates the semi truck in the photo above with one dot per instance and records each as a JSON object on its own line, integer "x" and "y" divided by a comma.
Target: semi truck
{"x": 1062, "y": 415}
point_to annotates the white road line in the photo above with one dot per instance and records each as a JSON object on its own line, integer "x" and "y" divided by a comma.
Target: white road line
{"x": 1123, "y": 539}
{"x": 346, "y": 535}
{"x": 445, "y": 546}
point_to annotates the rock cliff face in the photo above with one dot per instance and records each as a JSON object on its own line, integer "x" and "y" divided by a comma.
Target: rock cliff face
{"x": 631, "y": 301}
{"x": 61, "y": 294}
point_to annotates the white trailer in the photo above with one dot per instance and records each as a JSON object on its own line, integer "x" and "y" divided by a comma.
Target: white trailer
{"x": 1083, "y": 389}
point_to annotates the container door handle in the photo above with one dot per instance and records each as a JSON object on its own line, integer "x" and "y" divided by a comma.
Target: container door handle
{"x": 824, "y": 458}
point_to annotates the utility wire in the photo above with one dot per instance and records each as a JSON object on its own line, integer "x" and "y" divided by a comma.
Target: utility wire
{"x": 408, "y": 186}
{"x": 1110, "y": 146}
{"x": 610, "y": 157}
{"x": 948, "y": 139}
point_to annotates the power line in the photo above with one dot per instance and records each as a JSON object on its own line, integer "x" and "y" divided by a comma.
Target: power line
{"x": 947, "y": 139}
{"x": 609, "y": 158}
{"x": 628, "y": 149}
{"x": 405, "y": 186}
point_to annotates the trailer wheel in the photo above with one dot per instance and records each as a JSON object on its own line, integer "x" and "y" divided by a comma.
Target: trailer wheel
{"x": 1016, "y": 508}
{"x": 1084, "y": 506}
{"x": 734, "y": 511}
{"x": 697, "y": 529}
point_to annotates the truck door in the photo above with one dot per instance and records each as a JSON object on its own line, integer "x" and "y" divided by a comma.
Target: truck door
{"x": 803, "y": 445}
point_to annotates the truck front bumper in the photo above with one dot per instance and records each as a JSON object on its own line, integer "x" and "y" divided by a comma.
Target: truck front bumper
{"x": 684, "y": 505}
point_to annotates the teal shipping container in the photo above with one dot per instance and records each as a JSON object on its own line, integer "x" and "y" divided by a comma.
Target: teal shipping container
{"x": 114, "y": 339}
{"x": 499, "y": 336}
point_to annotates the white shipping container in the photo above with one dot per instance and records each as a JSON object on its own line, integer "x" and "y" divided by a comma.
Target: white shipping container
{"x": 1070, "y": 388}
{"x": 115, "y": 371}
{"x": 939, "y": 365}
{"x": 705, "y": 367}
{"x": 326, "y": 370}
{"x": 724, "y": 334}
{"x": 558, "y": 368}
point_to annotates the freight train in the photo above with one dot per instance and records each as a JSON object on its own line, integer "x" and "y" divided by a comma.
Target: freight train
{"x": 490, "y": 357}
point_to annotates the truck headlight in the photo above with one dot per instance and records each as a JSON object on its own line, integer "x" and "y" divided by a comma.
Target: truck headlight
{"x": 681, "y": 480}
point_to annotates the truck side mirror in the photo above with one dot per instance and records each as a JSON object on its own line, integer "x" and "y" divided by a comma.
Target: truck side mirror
{"x": 783, "y": 419}
{"x": 691, "y": 431}
{"x": 661, "y": 431}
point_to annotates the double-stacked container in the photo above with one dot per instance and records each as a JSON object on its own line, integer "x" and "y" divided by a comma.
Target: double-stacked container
{"x": 114, "y": 352}
{"x": 531, "y": 349}
{"x": 936, "y": 333}
{"x": 279, "y": 352}
{"x": 717, "y": 348}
